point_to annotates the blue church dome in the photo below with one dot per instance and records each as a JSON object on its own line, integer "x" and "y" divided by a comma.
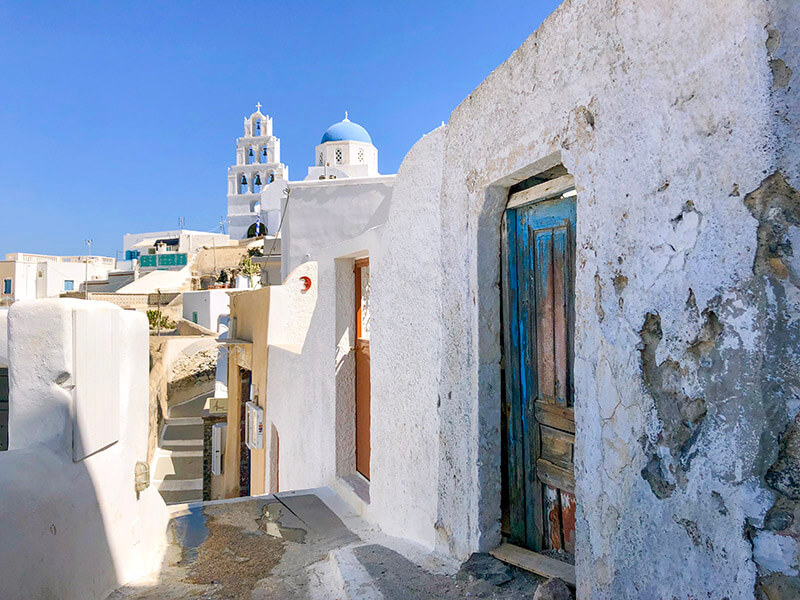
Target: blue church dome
{"x": 346, "y": 131}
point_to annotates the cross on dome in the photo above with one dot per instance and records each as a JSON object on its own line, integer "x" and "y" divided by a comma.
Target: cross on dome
{"x": 345, "y": 116}
{"x": 258, "y": 106}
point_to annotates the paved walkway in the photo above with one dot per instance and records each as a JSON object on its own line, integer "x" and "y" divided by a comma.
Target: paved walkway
{"x": 178, "y": 470}
{"x": 308, "y": 545}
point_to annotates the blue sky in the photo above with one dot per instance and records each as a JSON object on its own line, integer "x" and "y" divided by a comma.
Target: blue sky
{"x": 122, "y": 117}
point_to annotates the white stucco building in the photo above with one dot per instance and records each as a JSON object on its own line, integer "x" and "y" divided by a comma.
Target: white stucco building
{"x": 255, "y": 182}
{"x": 258, "y": 182}
{"x": 345, "y": 150}
{"x": 24, "y": 276}
{"x": 172, "y": 249}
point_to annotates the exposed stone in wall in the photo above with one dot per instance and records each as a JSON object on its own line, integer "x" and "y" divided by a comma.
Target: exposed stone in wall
{"x": 158, "y": 395}
{"x": 784, "y": 475}
{"x": 188, "y": 371}
{"x": 776, "y": 207}
{"x": 778, "y": 587}
{"x": 681, "y": 414}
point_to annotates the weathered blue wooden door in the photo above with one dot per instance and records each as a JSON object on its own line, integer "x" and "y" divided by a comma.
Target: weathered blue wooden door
{"x": 539, "y": 260}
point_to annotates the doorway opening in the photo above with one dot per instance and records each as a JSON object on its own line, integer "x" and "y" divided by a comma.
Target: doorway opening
{"x": 537, "y": 418}
{"x": 362, "y": 391}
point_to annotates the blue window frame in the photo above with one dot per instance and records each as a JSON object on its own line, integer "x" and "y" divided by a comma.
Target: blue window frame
{"x": 69, "y": 285}
{"x": 6, "y": 286}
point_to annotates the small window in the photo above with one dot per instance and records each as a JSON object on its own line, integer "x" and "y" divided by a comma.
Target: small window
{"x": 6, "y": 286}
{"x": 194, "y": 317}
{"x": 361, "y": 155}
{"x": 338, "y": 156}
{"x": 321, "y": 162}
{"x": 69, "y": 285}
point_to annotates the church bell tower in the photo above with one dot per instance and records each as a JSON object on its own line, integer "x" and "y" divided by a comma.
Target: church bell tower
{"x": 258, "y": 166}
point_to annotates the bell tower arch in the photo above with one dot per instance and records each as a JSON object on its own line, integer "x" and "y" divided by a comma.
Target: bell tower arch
{"x": 258, "y": 167}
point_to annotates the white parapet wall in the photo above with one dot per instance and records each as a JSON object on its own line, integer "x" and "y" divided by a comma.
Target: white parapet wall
{"x": 74, "y": 525}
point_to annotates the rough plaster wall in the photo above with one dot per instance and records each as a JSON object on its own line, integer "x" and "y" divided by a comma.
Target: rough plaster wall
{"x": 85, "y": 531}
{"x": 406, "y": 350}
{"x": 300, "y": 390}
{"x": 667, "y": 129}
{"x": 345, "y": 367}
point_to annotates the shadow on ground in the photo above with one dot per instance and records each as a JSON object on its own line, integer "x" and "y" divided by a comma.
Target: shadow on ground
{"x": 293, "y": 546}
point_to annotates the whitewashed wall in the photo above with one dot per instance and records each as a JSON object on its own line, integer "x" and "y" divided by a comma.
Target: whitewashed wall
{"x": 684, "y": 147}
{"x": 73, "y": 530}
{"x": 310, "y": 359}
{"x": 323, "y": 214}
{"x": 405, "y": 350}
{"x": 679, "y": 123}
{"x": 209, "y": 306}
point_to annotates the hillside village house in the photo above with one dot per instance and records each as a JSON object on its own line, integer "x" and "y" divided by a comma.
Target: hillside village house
{"x": 25, "y": 276}
{"x": 571, "y": 318}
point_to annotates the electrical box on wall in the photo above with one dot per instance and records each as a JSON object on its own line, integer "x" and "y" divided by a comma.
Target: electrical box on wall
{"x": 254, "y": 426}
{"x": 218, "y": 435}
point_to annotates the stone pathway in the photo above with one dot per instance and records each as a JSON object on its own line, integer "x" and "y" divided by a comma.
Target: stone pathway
{"x": 308, "y": 545}
{"x": 178, "y": 470}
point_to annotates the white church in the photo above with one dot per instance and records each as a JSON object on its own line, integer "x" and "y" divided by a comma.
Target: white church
{"x": 257, "y": 183}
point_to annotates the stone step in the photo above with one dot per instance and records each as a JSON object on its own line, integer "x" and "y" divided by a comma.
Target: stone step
{"x": 178, "y": 485}
{"x": 173, "y": 432}
{"x": 192, "y": 408}
{"x": 177, "y": 421}
{"x": 181, "y": 496}
{"x": 179, "y": 466}
{"x": 182, "y": 445}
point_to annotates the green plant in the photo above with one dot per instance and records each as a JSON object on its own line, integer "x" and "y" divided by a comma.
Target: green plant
{"x": 157, "y": 320}
{"x": 248, "y": 268}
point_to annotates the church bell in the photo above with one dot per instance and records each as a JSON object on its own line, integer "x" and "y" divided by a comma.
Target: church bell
{"x": 244, "y": 180}
{"x": 258, "y": 179}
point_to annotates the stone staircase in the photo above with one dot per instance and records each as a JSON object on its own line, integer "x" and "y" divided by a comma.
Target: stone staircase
{"x": 178, "y": 472}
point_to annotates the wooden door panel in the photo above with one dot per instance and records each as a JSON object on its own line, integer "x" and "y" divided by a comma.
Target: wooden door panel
{"x": 552, "y": 510}
{"x": 560, "y": 333}
{"x": 552, "y": 474}
{"x": 363, "y": 449}
{"x": 543, "y": 278}
{"x": 557, "y": 446}
{"x": 568, "y": 506}
{"x": 515, "y": 386}
{"x": 540, "y": 428}
{"x": 555, "y": 416}
{"x": 362, "y": 407}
